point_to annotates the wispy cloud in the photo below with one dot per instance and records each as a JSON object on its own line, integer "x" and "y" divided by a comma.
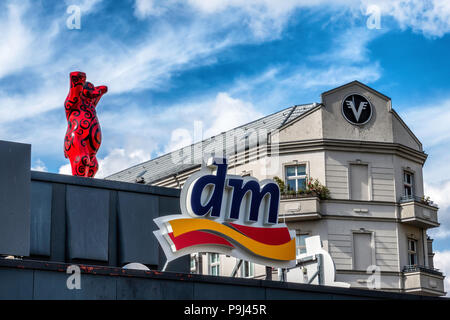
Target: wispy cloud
{"x": 435, "y": 136}
{"x": 39, "y": 165}
{"x": 21, "y": 47}
{"x": 431, "y": 133}
{"x": 35, "y": 49}
{"x": 438, "y": 191}
{"x": 429, "y": 17}
{"x": 162, "y": 131}
{"x": 442, "y": 262}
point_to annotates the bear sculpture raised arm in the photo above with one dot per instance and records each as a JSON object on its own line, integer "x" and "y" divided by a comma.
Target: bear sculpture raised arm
{"x": 83, "y": 135}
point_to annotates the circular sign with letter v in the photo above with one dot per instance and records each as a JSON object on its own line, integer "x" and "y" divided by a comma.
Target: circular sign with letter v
{"x": 356, "y": 109}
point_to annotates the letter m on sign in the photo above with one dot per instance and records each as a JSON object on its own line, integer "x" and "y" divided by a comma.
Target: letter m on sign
{"x": 268, "y": 196}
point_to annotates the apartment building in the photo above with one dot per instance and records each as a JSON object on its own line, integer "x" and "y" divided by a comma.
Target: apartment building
{"x": 350, "y": 170}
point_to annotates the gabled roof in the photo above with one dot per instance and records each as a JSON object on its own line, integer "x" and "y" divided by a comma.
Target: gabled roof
{"x": 173, "y": 163}
{"x": 355, "y": 82}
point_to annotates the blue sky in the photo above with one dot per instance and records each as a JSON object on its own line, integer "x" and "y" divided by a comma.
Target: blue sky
{"x": 223, "y": 63}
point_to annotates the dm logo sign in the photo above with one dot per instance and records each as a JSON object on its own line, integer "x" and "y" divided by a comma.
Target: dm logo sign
{"x": 356, "y": 109}
{"x": 233, "y": 215}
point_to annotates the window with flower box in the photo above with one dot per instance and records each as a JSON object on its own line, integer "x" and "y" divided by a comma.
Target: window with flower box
{"x": 296, "y": 177}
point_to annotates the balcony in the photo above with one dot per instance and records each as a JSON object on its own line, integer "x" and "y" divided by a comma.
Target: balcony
{"x": 419, "y": 212}
{"x": 299, "y": 208}
{"x": 423, "y": 280}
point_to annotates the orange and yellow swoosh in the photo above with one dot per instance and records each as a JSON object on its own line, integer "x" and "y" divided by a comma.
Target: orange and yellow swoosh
{"x": 283, "y": 252}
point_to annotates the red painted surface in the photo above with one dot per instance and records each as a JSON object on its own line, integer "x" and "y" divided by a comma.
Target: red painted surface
{"x": 194, "y": 238}
{"x": 83, "y": 135}
{"x": 271, "y": 236}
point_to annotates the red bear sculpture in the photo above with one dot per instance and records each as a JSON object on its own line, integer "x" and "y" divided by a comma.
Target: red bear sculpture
{"x": 83, "y": 135}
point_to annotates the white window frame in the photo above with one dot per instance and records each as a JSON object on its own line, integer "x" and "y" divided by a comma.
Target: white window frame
{"x": 297, "y": 176}
{"x": 413, "y": 252}
{"x": 193, "y": 263}
{"x": 297, "y": 246}
{"x": 213, "y": 263}
{"x": 407, "y": 184}
{"x": 250, "y": 266}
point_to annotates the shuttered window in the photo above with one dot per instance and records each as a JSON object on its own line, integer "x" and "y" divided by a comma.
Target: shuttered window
{"x": 359, "y": 182}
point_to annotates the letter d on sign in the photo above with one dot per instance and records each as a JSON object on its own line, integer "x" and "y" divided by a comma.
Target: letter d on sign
{"x": 215, "y": 184}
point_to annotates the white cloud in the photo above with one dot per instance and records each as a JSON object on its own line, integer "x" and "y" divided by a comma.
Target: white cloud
{"x": 39, "y": 165}
{"x": 179, "y": 138}
{"x": 431, "y": 132}
{"x": 160, "y": 131}
{"x": 438, "y": 192}
{"x": 209, "y": 118}
{"x": 227, "y": 113}
{"x": 168, "y": 49}
{"x": 151, "y": 64}
{"x": 148, "y": 65}
{"x": 350, "y": 46}
{"x": 65, "y": 169}
{"x": 86, "y": 6}
{"x": 146, "y": 8}
{"x": 20, "y": 46}
{"x": 119, "y": 159}
{"x": 14, "y": 44}
{"x": 442, "y": 262}
{"x": 116, "y": 160}
{"x": 334, "y": 76}
{"x": 435, "y": 136}
{"x": 429, "y": 17}
{"x": 267, "y": 18}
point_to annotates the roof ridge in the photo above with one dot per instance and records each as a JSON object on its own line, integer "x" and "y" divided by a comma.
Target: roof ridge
{"x": 288, "y": 116}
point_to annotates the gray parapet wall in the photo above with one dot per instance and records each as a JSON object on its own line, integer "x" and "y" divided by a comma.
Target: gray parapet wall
{"x": 25, "y": 279}
{"x": 61, "y": 218}
{"x": 14, "y": 198}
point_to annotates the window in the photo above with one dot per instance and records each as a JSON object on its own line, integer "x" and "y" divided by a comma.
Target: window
{"x": 412, "y": 252}
{"x": 408, "y": 182}
{"x": 359, "y": 182}
{"x": 362, "y": 251}
{"x": 247, "y": 269}
{"x": 214, "y": 264}
{"x": 300, "y": 243}
{"x": 296, "y": 177}
{"x": 193, "y": 265}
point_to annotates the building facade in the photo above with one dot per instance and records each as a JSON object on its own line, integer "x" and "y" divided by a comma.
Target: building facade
{"x": 350, "y": 171}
